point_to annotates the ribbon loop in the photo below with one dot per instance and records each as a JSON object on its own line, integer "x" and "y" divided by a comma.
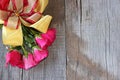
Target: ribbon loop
{"x": 18, "y": 7}
{"x": 13, "y": 22}
{"x": 34, "y": 18}
{"x": 3, "y": 15}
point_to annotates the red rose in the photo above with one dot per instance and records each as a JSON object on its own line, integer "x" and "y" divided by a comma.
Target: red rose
{"x": 14, "y": 58}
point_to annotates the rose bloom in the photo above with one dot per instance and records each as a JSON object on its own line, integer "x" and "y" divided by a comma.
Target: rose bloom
{"x": 40, "y": 55}
{"x": 14, "y": 58}
{"x": 46, "y": 39}
{"x": 29, "y": 61}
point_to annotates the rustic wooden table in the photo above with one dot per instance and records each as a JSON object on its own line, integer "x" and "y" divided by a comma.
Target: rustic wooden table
{"x": 87, "y": 45}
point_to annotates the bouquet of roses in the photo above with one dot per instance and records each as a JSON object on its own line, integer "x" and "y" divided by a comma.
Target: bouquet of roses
{"x": 25, "y": 31}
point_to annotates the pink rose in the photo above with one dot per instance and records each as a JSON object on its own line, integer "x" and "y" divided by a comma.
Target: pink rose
{"x": 29, "y": 61}
{"x": 50, "y": 35}
{"x": 14, "y": 58}
{"x": 42, "y": 43}
{"x": 46, "y": 39}
{"x": 39, "y": 55}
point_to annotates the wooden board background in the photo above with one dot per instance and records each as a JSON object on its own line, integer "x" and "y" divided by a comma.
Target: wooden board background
{"x": 87, "y": 45}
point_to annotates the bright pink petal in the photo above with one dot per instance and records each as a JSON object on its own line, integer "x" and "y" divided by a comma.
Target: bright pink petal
{"x": 39, "y": 55}
{"x": 29, "y": 61}
{"x": 50, "y": 35}
{"x": 42, "y": 43}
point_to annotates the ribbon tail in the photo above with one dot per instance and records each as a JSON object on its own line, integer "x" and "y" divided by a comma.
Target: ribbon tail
{"x": 12, "y": 37}
{"x": 43, "y": 24}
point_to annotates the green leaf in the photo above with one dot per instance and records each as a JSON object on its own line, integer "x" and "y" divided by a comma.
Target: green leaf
{"x": 17, "y": 47}
{"x": 29, "y": 40}
{"x": 1, "y": 25}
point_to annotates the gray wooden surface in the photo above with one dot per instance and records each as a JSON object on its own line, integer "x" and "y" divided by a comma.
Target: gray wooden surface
{"x": 87, "y": 45}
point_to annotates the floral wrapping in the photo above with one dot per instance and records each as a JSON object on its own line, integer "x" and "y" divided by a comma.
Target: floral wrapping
{"x": 25, "y": 31}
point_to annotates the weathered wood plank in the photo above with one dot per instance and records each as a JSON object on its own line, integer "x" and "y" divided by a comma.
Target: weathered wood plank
{"x": 92, "y": 43}
{"x": 73, "y": 37}
{"x": 94, "y": 23}
{"x": 9, "y": 73}
{"x": 113, "y": 39}
{"x": 54, "y": 67}
{"x": 92, "y": 39}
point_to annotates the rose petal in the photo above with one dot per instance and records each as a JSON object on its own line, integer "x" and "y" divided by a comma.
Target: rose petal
{"x": 39, "y": 55}
{"x": 42, "y": 43}
{"x": 29, "y": 61}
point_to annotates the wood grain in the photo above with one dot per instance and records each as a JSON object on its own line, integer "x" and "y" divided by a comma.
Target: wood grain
{"x": 113, "y": 60}
{"x": 8, "y": 73}
{"x": 90, "y": 25}
{"x": 87, "y": 45}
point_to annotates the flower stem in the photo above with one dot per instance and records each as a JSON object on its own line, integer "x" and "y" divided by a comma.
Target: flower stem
{"x": 24, "y": 51}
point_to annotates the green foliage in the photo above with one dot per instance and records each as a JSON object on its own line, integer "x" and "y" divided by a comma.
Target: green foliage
{"x": 1, "y": 25}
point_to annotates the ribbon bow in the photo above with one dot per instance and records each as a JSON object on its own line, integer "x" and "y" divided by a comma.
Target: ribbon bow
{"x": 27, "y": 12}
